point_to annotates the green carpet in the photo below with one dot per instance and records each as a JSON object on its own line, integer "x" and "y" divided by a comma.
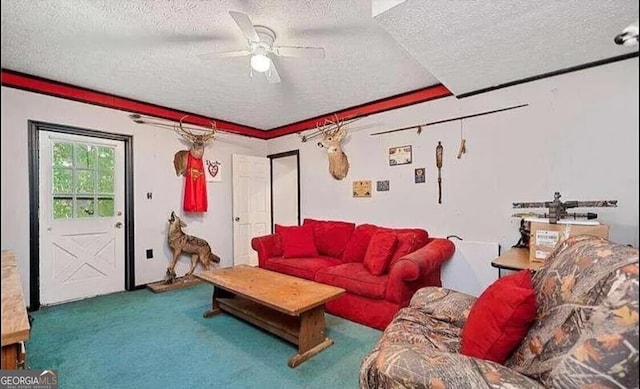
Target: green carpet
{"x": 145, "y": 340}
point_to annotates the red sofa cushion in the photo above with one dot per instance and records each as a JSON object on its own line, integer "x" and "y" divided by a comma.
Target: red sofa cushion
{"x": 379, "y": 252}
{"x": 500, "y": 318}
{"x": 301, "y": 267}
{"x": 357, "y": 245}
{"x": 354, "y": 278}
{"x": 331, "y": 236}
{"x": 406, "y": 244}
{"x": 297, "y": 241}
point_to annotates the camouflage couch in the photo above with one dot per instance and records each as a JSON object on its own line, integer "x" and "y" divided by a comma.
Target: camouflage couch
{"x": 585, "y": 334}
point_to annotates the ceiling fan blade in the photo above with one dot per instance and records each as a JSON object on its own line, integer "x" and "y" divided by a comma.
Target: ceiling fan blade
{"x": 299, "y": 51}
{"x": 245, "y": 24}
{"x": 272, "y": 74}
{"x": 224, "y": 54}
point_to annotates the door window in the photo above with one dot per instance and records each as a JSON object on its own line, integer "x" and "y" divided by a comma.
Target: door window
{"x": 83, "y": 180}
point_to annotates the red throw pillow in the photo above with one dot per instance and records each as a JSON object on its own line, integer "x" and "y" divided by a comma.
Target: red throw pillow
{"x": 297, "y": 241}
{"x": 359, "y": 242}
{"x": 331, "y": 236}
{"x": 500, "y": 318}
{"x": 379, "y": 252}
{"x": 406, "y": 244}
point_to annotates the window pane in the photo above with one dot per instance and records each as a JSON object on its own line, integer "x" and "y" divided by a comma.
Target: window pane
{"x": 62, "y": 180}
{"x": 105, "y": 182}
{"x": 106, "y": 158}
{"x": 85, "y": 207}
{"x": 62, "y": 208}
{"x": 62, "y": 154}
{"x": 105, "y": 207}
{"x": 85, "y": 156}
{"x": 85, "y": 181}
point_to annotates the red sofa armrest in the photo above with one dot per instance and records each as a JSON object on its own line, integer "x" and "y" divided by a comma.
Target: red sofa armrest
{"x": 418, "y": 269}
{"x": 267, "y": 246}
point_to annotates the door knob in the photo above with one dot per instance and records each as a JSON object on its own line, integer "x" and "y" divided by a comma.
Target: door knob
{"x": 236, "y": 219}
{"x": 119, "y": 225}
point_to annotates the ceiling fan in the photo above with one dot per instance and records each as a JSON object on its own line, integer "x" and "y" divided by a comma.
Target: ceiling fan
{"x": 262, "y": 49}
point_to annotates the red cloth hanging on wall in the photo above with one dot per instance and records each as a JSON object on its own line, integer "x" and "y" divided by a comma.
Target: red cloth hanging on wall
{"x": 195, "y": 186}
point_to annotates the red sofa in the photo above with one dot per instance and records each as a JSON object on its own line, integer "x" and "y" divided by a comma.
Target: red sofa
{"x": 342, "y": 248}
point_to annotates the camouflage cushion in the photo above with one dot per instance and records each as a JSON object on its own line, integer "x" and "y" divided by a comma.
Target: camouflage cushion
{"x": 586, "y": 331}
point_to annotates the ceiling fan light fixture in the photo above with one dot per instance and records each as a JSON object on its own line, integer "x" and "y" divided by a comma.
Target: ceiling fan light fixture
{"x": 260, "y": 62}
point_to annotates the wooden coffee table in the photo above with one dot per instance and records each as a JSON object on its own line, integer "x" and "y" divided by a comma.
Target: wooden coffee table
{"x": 289, "y": 307}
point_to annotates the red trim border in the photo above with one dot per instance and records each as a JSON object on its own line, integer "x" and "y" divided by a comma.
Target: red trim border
{"x": 31, "y": 83}
{"x": 378, "y": 106}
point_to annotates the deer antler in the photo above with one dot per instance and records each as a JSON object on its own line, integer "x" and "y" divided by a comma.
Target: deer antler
{"x": 188, "y": 135}
{"x": 329, "y": 127}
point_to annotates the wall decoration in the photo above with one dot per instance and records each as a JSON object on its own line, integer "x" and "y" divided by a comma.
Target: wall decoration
{"x": 400, "y": 155}
{"x": 462, "y": 149}
{"x": 439, "y": 150}
{"x": 189, "y": 162}
{"x": 420, "y": 175}
{"x": 213, "y": 170}
{"x": 362, "y": 188}
{"x": 382, "y": 186}
{"x": 333, "y": 133}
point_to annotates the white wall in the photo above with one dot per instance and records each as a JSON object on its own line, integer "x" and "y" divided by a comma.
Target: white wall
{"x": 578, "y": 136}
{"x": 153, "y": 150}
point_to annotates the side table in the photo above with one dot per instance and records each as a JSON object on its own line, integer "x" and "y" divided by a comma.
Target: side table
{"x": 515, "y": 259}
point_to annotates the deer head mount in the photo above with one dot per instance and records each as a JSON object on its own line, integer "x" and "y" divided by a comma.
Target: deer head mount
{"x": 198, "y": 143}
{"x": 333, "y": 133}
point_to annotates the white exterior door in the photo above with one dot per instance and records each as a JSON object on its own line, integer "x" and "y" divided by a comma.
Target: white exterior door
{"x": 251, "y": 205}
{"x": 81, "y": 216}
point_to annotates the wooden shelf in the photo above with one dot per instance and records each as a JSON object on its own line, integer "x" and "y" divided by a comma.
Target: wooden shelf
{"x": 515, "y": 259}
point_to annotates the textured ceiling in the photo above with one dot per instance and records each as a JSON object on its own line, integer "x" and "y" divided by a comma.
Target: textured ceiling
{"x": 148, "y": 50}
{"x": 474, "y": 45}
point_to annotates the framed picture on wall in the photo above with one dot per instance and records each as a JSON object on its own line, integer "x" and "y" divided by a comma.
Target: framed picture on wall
{"x": 382, "y": 186}
{"x": 400, "y": 155}
{"x": 213, "y": 170}
{"x": 420, "y": 175}
{"x": 362, "y": 188}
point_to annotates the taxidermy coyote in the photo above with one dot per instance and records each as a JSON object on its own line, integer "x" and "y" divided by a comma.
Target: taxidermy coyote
{"x": 182, "y": 243}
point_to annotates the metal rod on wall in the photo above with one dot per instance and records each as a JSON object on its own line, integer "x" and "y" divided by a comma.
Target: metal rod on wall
{"x": 419, "y": 126}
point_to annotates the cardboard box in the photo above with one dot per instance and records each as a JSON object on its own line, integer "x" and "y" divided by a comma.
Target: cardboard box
{"x": 545, "y": 236}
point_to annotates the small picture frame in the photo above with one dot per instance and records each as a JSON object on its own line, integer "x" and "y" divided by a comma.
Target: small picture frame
{"x": 420, "y": 175}
{"x": 400, "y": 155}
{"x": 382, "y": 186}
{"x": 213, "y": 170}
{"x": 362, "y": 188}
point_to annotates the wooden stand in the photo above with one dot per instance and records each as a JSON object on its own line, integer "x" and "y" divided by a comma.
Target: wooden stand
{"x": 178, "y": 283}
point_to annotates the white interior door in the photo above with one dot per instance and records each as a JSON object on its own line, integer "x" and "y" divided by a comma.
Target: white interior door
{"x": 251, "y": 205}
{"x": 81, "y": 217}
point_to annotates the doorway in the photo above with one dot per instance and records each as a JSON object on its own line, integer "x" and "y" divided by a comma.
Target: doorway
{"x": 251, "y": 205}
{"x": 285, "y": 188}
{"x": 81, "y": 212}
